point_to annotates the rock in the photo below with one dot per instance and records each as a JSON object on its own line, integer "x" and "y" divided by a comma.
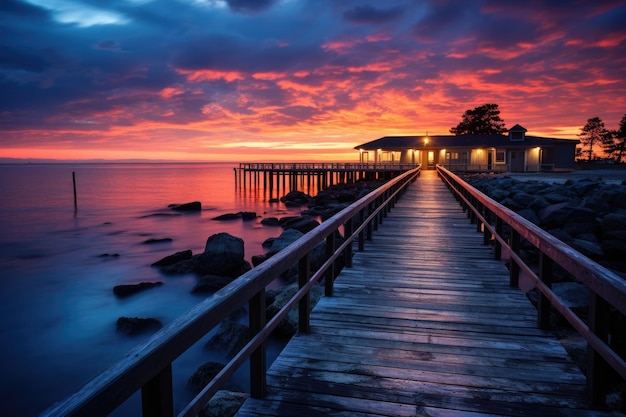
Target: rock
{"x": 286, "y": 238}
{"x": 157, "y": 240}
{"x": 231, "y": 337}
{"x": 523, "y": 199}
{"x": 295, "y": 198}
{"x": 125, "y": 290}
{"x": 210, "y": 283}
{"x": 228, "y": 216}
{"x": 589, "y": 249}
{"x": 574, "y": 295}
{"x": 203, "y": 375}
{"x": 223, "y": 255}
{"x": 614, "y": 221}
{"x": 614, "y": 248}
{"x": 136, "y": 325}
{"x": 270, "y": 221}
{"x": 179, "y": 268}
{"x": 192, "y": 206}
{"x": 172, "y": 259}
{"x": 267, "y": 243}
{"x": 554, "y": 215}
{"x": 289, "y": 325}
{"x": 245, "y": 215}
{"x": 529, "y": 215}
{"x": 248, "y": 215}
{"x": 302, "y": 224}
{"x": 258, "y": 259}
{"x": 109, "y": 255}
{"x": 224, "y": 404}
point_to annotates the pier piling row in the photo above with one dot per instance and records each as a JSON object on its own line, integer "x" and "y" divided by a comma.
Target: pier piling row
{"x": 277, "y": 179}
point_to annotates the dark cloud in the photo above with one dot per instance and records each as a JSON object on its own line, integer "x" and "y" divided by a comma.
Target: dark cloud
{"x": 108, "y": 45}
{"x": 20, "y": 8}
{"x": 369, "y": 14}
{"x": 250, "y": 6}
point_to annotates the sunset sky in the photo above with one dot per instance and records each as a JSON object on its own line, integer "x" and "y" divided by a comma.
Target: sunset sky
{"x": 264, "y": 80}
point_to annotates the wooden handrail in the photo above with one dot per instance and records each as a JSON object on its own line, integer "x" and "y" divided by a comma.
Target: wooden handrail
{"x": 606, "y": 288}
{"x": 148, "y": 367}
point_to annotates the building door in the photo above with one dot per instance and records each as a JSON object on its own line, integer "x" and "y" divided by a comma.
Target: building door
{"x": 431, "y": 160}
{"x": 517, "y": 161}
{"x": 489, "y": 161}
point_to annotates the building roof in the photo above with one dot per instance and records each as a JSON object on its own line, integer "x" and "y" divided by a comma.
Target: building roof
{"x": 461, "y": 141}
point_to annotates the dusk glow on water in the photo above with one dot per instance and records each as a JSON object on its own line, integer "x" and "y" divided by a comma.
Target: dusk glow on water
{"x": 56, "y": 299}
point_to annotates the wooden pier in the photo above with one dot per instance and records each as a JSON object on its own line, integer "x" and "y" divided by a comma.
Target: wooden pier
{"x": 277, "y": 179}
{"x": 425, "y": 323}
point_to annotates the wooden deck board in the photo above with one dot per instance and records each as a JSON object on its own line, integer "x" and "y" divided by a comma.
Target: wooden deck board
{"x": 424, "y": 324}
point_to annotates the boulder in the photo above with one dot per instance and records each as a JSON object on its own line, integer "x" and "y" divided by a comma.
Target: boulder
{"x": 614, "y": 221}
{"x": 295, "y": 198}
{"x": 303, "y": 224}
{"x": 203, "y": 375}
{"x": 554, "y": 215}
{"x": 529, "y": 215}
{"x": 210, "y": 283}
{"x": 289, "y": 325}
{"x": 191, "y": 206}
{"x": 270, "y": 221}
{"x": 223, "y": 255}
{"x": 224, "y": 404}
{"x": 248, "y": 215}
{"x": 174, "y": 258}
{"x": 124, "y": 290}
{"x": 228, "y": 216}
{"x": 152, "y": 241}
{"x": 286, "y": 238}
{"x": 136, "y": 325}
{"x": 231, "y": 337}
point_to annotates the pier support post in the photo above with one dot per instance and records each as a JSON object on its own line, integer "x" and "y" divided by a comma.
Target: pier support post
{"x": 157, "y": 399}
{"x": 543, "y": 304}
{"x": 304, "y": 305}
{"x": 514, "y": 267}
{"x": 256, "y": 318}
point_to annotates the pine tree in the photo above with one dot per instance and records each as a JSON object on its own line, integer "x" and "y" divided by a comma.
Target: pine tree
{"x": 593, "y": 132}
{"x": 483, "y": 120}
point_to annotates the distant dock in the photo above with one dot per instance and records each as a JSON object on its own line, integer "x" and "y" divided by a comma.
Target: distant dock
{"x": 277, "y": 178}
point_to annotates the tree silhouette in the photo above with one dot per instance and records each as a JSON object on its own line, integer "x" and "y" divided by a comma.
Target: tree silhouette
{"x": 619, "y": 143}
{"x": 593, "y": 132}
{"x": 483, "y": 120}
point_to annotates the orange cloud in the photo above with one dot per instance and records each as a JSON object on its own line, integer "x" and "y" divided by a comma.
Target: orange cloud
{"x": 211, "y": 75}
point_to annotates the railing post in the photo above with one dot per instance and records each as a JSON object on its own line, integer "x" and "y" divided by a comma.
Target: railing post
{"x": 486, "y": 232}
{"x": 347, "y": 254}
{"x": 597, "y": 369}
{"x": 258, "y": 367}
{"x": 304, "y": 306}
{"x": 157, "y": 399}
{"x": 514, "y": 267}
{"x": 369, "y": 224}
{"x": 497, "y": 250}
{"x": 362, "y": 231}
{"x": 330, "y": 272}
{"x": 543, "y": 304}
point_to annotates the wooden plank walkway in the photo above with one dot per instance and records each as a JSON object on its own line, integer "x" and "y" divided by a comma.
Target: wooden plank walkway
{"x": 424, "y": 324}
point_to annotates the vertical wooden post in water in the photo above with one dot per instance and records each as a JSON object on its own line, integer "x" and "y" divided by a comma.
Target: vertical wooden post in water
{"x": 74, "y": 184}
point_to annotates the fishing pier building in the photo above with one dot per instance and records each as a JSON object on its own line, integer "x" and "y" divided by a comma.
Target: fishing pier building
{"x": 515, "y": 152}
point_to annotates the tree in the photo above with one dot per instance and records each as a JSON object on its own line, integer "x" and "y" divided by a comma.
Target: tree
{"x": 483, "y": 120}
{"x": 619, "y": 144}
{"x": 593, "y": 132}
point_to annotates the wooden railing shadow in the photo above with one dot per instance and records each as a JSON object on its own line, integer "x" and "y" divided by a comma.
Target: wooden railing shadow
{"x": 606, "y": 346}
{"x": 148, "y": 367}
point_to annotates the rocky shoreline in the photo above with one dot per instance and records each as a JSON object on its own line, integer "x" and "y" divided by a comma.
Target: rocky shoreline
{"x": 223, "y": 261}
{"x": 587, "y": 212}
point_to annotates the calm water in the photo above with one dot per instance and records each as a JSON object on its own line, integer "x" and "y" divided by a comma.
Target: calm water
{"x": 56, "y": 302}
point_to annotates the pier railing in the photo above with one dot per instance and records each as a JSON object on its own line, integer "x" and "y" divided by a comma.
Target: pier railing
{"x": 604, "y": 330}
{"x": 148, "y": 367}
